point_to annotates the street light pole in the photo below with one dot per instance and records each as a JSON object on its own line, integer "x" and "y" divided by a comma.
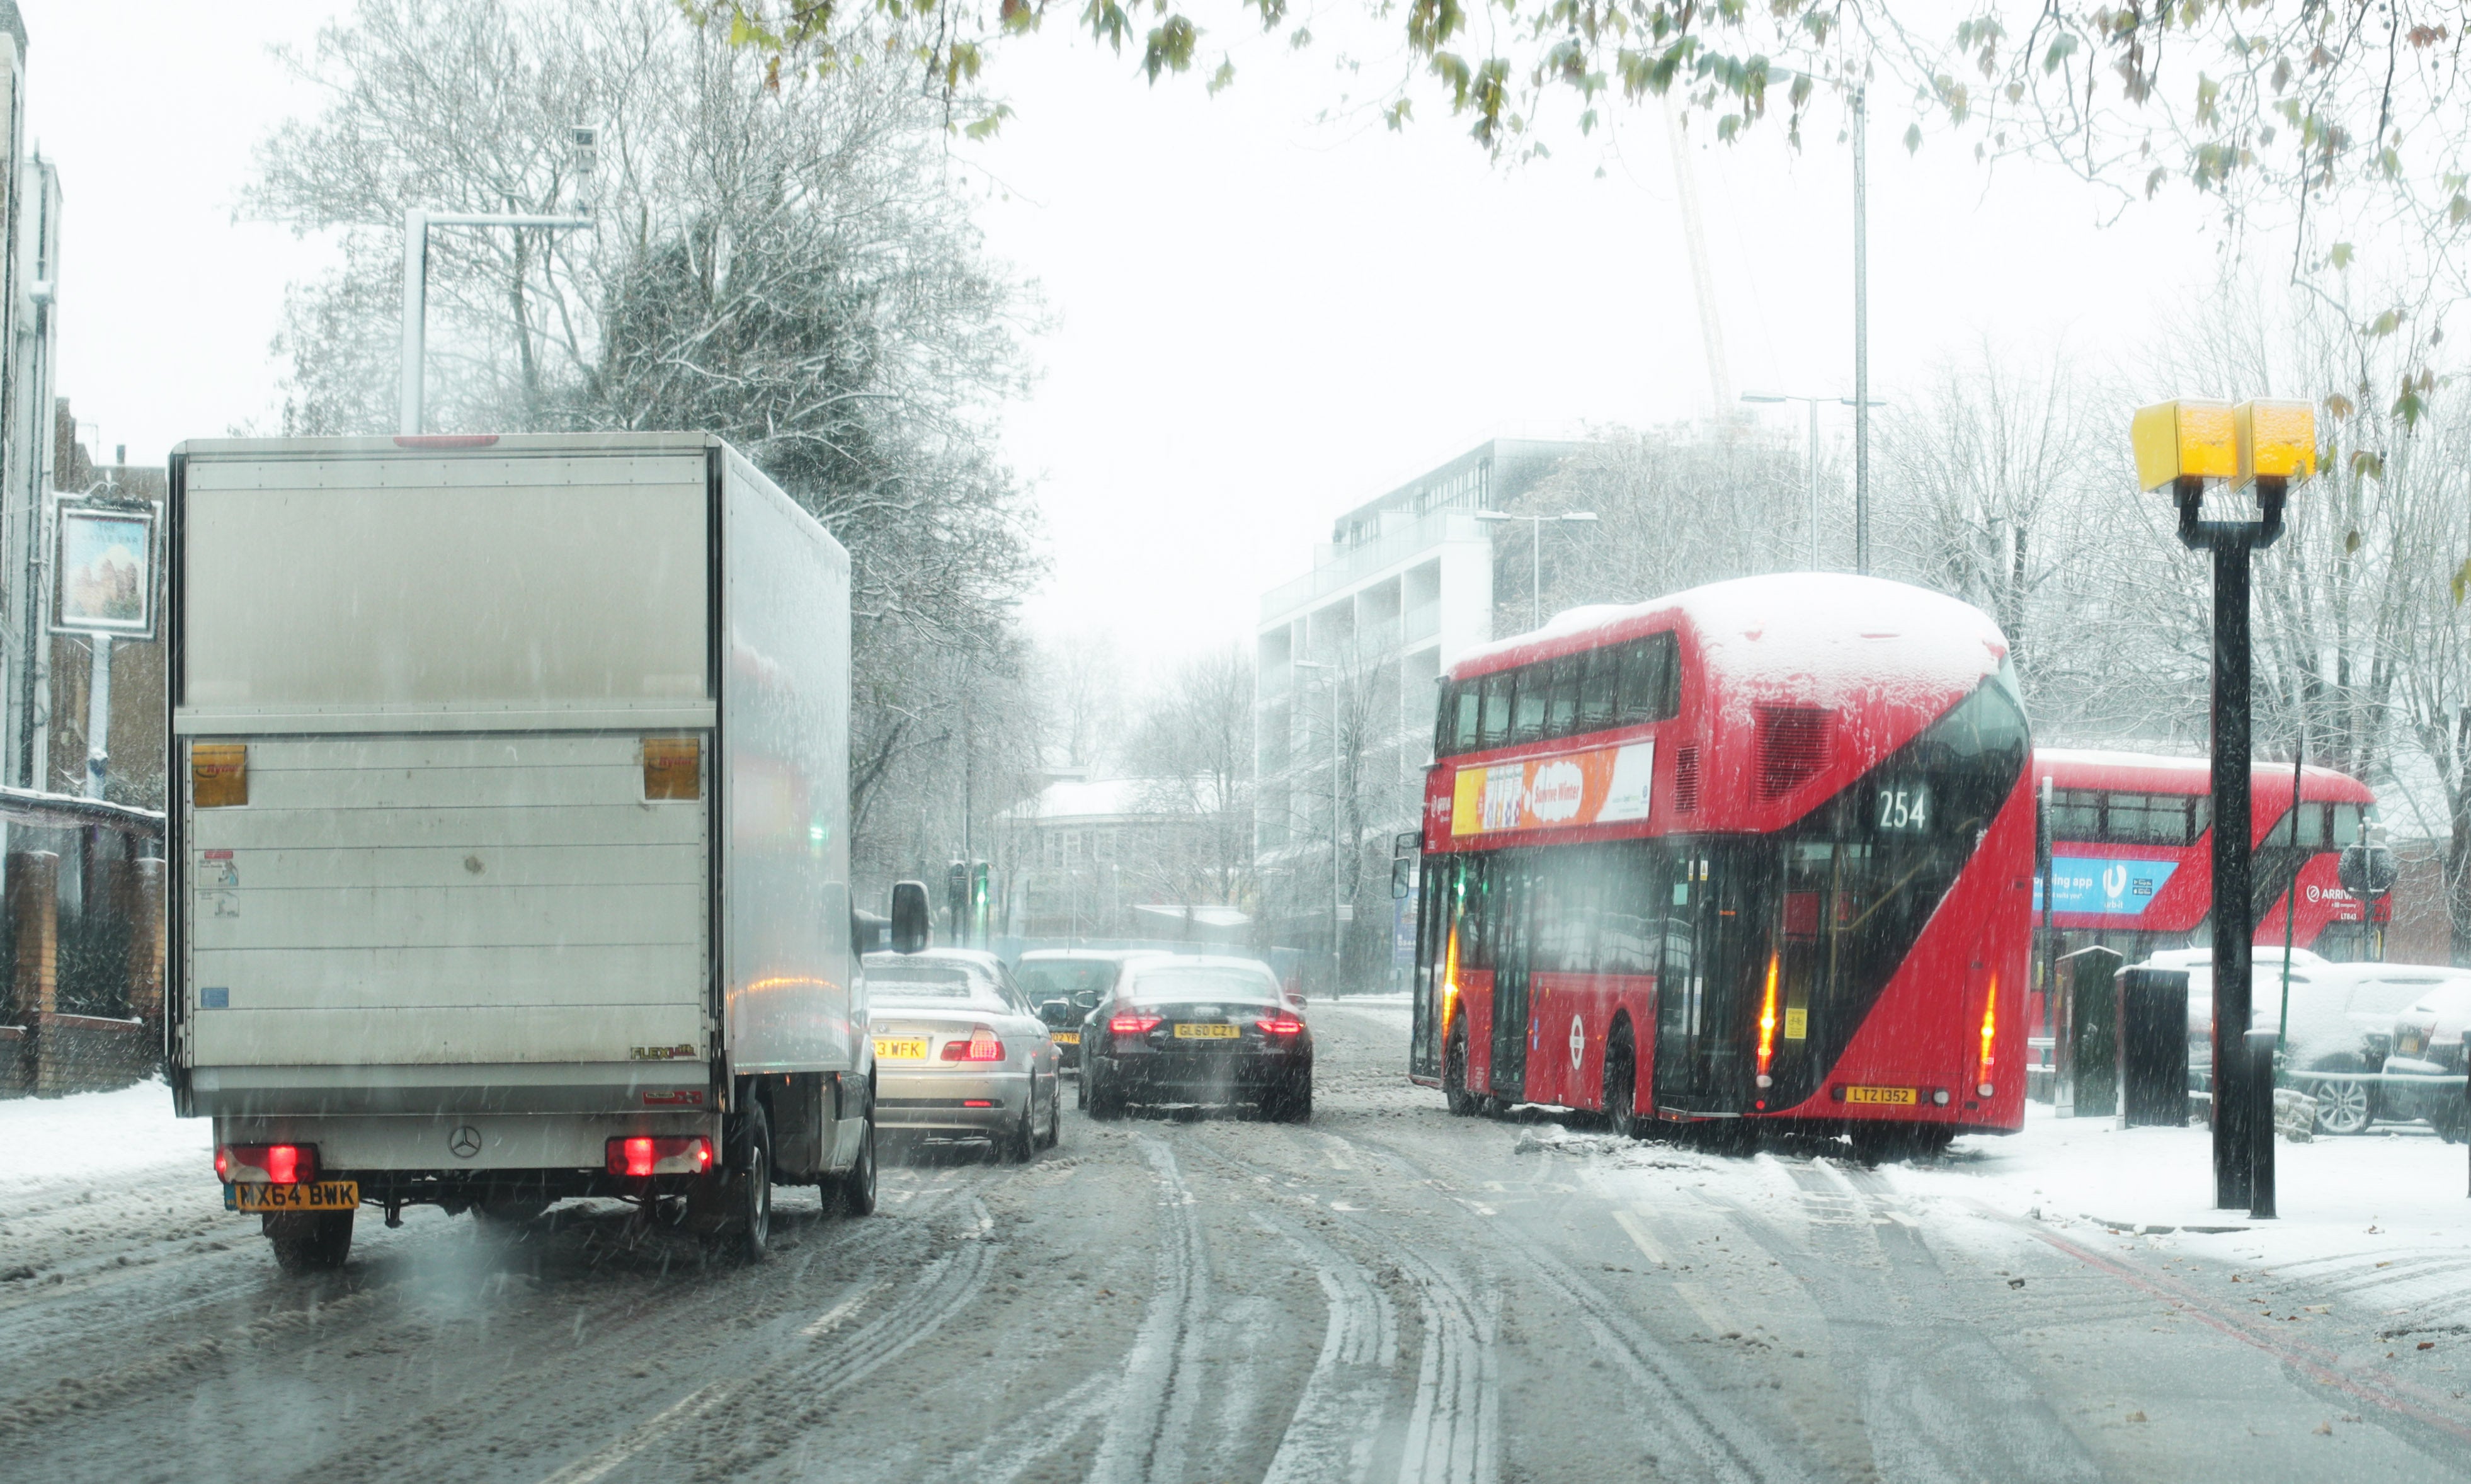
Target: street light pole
{"x": 1536, "y": 552}
{"x": 584, "y": 142}
{"x": 1809, "y": 457}
{"x": 1336, "y": 893}
{"x": 1861, "y": 342}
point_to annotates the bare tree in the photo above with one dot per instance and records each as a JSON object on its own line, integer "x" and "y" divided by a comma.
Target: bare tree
{"x": 779, "y": 260}
{"x": 1193, "y": 749}
{"x": 1675, "y": 506}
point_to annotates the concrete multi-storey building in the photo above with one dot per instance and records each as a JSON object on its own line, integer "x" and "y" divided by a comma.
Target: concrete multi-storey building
{"x": 1348, "y": 655}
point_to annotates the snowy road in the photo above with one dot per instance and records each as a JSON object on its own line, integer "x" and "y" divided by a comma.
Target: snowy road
{"x": 1387, "y": 1294}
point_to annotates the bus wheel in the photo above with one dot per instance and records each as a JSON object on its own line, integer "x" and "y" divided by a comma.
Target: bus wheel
{"x": 1454, "y": 1088}
{"x": 1621, "y": 1086}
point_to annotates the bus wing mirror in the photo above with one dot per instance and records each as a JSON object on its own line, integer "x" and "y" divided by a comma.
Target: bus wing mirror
{"x": 908, "y": 916}
{"x": 1402, "y": 873}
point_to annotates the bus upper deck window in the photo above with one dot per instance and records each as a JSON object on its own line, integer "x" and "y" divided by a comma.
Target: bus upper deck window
{"x": 1534, "y": 691}
{"x": 1599, "y": 672}
{"x": 1562, "y": 712}
{"x": 1651, "y": 687}
{"x": 1492, "y": 727}
{"x": 1463, "y": 701}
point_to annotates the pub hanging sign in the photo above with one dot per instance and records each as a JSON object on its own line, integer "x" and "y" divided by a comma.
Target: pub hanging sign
{"x": 103, "y": 569}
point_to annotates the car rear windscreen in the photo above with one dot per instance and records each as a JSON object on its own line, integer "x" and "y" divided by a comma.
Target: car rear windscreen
{"x": 1166, "y": 985}
{"x": 1064, "y": 978}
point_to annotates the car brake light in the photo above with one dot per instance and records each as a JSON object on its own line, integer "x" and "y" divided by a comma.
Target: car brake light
{"x": 642, "y": 1156}
{"x": 1133, "y": 1024}
{"x": 266, "y": 1164}
{"x": 1280, "y": 1024}
{"x": 983, "y": 1046}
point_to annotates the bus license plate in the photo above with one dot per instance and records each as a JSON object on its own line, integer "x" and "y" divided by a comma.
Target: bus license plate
{"x": 309, "y": 1195}
{"x": 1207, "y": 1032}
{"x": 1065, "y": 1038}
{"x": 901, "y": 1048}
{"x": 1905, "y": 1096}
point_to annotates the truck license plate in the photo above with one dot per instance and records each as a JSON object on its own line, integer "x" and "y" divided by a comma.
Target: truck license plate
{"x": 308, "y": 1195}
{"x": 1903, "y": 1096}
{"x": 901, "y": 1048}
{"x": 1206, "y": 1032}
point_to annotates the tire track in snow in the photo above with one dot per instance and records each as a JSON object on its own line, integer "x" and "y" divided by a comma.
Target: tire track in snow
{"x": 1693, "y": 1435}
{"x": 1925, "y": 1379}
{"x": 1143, "y": 1440}
{"x": 774, "y": 1412}
{"x": 1338, "y": 1422}
{"x": 1453, "y": 1414}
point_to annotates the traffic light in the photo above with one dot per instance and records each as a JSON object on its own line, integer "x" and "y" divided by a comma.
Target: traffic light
{"x": 981, "y": 900}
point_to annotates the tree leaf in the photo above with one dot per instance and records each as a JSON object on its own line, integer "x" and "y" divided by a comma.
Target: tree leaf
{"x": 2351, "y": 542}
{"x": 1913, "y": 138}
{"x": 2341, "y": 256}
{"x": 2063, "y": 47}
{"x": 2461, "y": 583}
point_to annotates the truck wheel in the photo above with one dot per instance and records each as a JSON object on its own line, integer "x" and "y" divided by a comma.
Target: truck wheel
{"x": 748, "y": 1183}
{"x": 857, "y": 1185}
{"x": 310, "y": 1241}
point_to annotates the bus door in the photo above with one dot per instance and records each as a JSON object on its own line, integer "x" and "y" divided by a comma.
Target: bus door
{"x": 1707, "y": 983}
{"x": 1512, "y": 893}
{"x": 1437, "y": 891}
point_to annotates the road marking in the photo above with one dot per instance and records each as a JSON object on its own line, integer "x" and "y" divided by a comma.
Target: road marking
{"x": 1639, "y": 1238}
{"x": 831, "y": 1318}
{"x": 677, "y": 1415}
{"x": 1701, "y": 1304}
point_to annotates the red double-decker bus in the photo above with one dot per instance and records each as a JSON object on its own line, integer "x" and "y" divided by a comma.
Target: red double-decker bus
{"x": 2131, "y": 848}
{"x": 1762, "y": 850}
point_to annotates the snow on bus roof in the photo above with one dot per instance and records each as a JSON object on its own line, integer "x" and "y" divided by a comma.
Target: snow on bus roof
{"x": 1817, "y": 630}
{"x": 2108, "y": 768}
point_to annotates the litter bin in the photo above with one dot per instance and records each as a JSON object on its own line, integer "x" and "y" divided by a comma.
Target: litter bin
{"x": 2093, "y": 1028}
{"x": 2153, "y": 1046}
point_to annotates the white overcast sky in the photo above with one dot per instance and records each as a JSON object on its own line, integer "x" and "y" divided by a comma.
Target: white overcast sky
{"x": 1255, "y": 320}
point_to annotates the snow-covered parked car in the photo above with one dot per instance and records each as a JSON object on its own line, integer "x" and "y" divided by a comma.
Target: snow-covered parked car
{"x": 2428, "y": 1042}
{"x": 2340, "y": 1027}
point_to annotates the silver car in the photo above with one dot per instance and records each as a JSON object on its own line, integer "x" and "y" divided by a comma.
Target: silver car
{"x": 959, "y": 1052}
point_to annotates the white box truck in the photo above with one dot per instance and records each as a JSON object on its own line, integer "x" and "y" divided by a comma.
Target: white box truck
{"x": 510, "y": 834}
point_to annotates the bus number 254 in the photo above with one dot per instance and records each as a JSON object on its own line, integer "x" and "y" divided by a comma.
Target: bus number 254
{"x": 1904, "y": 809}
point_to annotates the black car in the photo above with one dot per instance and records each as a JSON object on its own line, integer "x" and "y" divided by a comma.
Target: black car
{"x": 1067, "y": 983}
{"x": 1198, "y": 1030}
{"x": 2424, "y": 1074}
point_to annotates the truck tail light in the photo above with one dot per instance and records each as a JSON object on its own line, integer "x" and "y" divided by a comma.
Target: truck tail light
{"x": 640, "y": 1156}
{"x": 218, "y": 774}
{"x": 983, "y": 1046}
{"x": 671, "y": 767}
{"x": 266, "y": 1164}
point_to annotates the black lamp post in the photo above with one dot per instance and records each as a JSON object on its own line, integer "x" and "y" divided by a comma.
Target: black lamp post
{"x": 2267, "y": 446}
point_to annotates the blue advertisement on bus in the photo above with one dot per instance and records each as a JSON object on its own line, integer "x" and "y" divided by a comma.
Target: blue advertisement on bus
{"x": 2107, "y": 885}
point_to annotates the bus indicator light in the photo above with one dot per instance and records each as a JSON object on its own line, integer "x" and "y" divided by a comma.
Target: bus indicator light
{"x": 1990, "y": 1031}
{"x": 1767, "y": 1025}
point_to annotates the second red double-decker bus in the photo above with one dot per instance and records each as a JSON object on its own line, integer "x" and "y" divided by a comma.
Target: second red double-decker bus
{"x": 1762, "y": 850}
{"x": 2132, "y": 864}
